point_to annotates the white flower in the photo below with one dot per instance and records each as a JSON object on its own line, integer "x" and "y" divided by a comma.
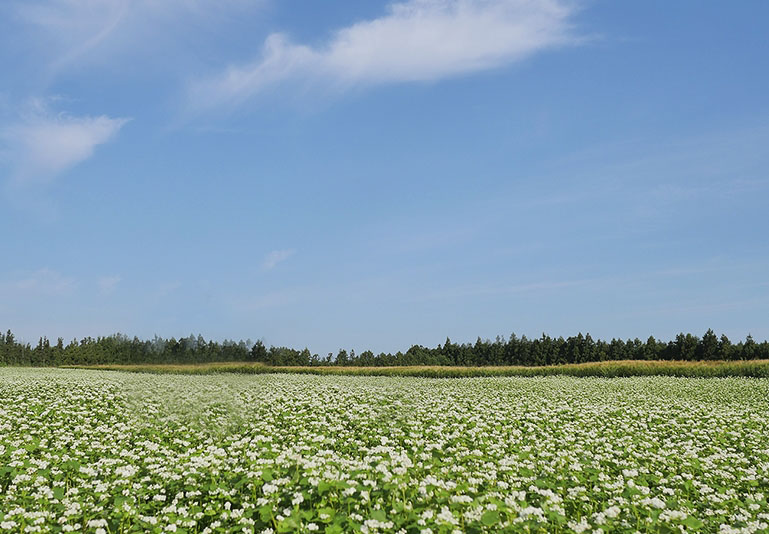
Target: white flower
{"x": 580, "y": 527}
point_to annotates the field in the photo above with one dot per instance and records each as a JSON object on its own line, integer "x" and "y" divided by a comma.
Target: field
{"x": 621, "y": 368}
{"x": 96, "y": 451}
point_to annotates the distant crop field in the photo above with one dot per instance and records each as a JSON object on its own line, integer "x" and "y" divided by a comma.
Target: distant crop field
{"x": 106, "y": 452}
{"x": 622, "y": 368}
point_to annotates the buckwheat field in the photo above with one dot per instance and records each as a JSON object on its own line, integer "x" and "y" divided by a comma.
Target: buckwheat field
{"x": 91, "y": 451}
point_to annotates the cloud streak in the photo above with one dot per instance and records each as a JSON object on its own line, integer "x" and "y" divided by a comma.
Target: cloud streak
{"x": 275, "y": 257}
{"x": 77, "y": 26}
{"x": 107, "y": 284}
{"x": 415, "y": 41}
{"x": 42, "y": 146}
{"x": 42, "y": 282}
{"x": 75, "y": 30}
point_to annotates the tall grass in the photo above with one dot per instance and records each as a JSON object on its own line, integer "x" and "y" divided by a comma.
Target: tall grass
{"x": 754, "y": 368}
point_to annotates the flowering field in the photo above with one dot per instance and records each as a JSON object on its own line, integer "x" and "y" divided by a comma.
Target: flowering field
{"x": 121, "y": 452}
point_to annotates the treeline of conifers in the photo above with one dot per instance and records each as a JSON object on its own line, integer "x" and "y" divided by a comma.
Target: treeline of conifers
{"x": 545, "y": 350}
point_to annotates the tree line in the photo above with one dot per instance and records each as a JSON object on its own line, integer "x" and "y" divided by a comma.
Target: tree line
{"x": 545, "y": 350}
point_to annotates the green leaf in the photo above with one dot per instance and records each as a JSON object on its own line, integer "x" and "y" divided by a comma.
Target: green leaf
{"x": 692, "y": 522}
{"x": 265, "y": 512}
{"x": 490, "y": 517}
{"x": 556, "y": 518}
{"x": 379, "y": 515}
{"x": 288, "y": 525}
{"x": 326, "y": 512}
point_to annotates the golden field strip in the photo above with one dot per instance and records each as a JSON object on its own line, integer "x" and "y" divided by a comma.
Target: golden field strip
{"x": 625, "y": 368}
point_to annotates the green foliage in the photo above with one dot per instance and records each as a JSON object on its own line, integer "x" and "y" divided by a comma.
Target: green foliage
{"x": 515, "y": 351}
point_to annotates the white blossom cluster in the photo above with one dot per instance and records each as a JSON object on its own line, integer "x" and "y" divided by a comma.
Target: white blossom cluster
{"x": 107, "y": 452}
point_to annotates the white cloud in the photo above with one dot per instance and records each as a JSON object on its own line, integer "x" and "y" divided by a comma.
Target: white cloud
{"x": 67, "y": 31}
{"x": 76, "y": 26}
{"x": 275, "y": 257}
{"x": 417, "y": 40}
{"x": 43, "y": 282}
{"x": 42, "y": 145}
{"x": 107, "y": 284}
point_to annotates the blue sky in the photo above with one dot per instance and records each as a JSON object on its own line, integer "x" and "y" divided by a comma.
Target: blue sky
{"x": 375, "y": 175}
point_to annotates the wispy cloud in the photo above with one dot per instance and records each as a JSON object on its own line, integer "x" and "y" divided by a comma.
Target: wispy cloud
{"x": 42, "y": 145}
{"x": 275, "y": 257}
{"x": 274, "y": 299}
{"x": 416, "y": 40}
{"x": 168, "y": 288}
{"x": 497, "y": 290}
{"x": 42, "y": 282}
{"x": 107, "y": 284}
{"x": 74, "y": 30}
{"x": 76, "y": 26}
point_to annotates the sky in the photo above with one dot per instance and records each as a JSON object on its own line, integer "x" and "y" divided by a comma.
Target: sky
{"x": 374, "y": 174}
